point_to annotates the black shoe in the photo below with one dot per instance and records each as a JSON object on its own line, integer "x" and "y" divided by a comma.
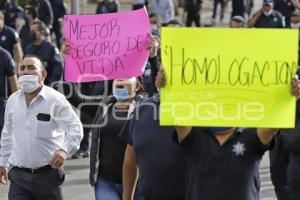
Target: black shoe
{"x": 80, "y": 154}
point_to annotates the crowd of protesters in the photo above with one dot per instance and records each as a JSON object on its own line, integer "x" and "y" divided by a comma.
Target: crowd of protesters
{"x": 131, "y": 155}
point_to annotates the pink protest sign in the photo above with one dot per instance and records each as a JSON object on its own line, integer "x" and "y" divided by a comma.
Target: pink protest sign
{"x": 107, "y": 46}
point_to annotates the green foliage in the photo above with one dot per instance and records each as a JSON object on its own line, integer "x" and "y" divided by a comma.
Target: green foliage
{"x": 22, "y": 3}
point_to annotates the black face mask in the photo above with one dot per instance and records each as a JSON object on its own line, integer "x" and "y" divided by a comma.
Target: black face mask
{"x": 33, "y": 36}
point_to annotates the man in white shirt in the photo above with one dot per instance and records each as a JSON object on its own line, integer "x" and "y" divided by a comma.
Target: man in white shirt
{"x": 40, "y": 131}
{"x": 164, "y": 8}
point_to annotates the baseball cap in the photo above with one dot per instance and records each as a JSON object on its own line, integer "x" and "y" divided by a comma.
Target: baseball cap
{"x": 268, "y": 2}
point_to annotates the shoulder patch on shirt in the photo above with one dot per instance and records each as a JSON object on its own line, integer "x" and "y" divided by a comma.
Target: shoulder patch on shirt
{"x": 16, "y": 35}
{"x": 239, "y": 149}
{"x": 56, "y": 50}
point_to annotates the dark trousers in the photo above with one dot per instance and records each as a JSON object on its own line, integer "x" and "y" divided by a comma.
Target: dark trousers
{"x": 293, "y": 176}
{"x": 279, "y": 160}
{"x": 193, "y": 17}
{"x": 216, "y": 3}
{"x": 44, "y": 185}
{"x": 58, "y": 34}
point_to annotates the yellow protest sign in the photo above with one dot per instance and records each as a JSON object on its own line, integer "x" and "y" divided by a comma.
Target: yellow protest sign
{"x": 228, "y": 77}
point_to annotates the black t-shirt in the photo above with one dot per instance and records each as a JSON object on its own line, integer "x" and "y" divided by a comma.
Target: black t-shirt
{"x": 112, "y": 149}
{"x": 50, "y": 55}
{"x": 8, "y": 38}
{"x": 274, "y": 20}
{"x": 286, "y": 8}
{"x": 7, "y": 69}
{"x": 161, "y": 162}
{"x": 227, "y": 172}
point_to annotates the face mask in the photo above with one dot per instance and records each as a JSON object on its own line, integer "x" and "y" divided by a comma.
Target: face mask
{"x": 267, "y": 13}
{"x": 32, "y": 36}
{"x": 154, "y": 26}
{"x": 295, "y": 25}
{"x": 121, "y": 94}
{"x": 216, "y": 130}
{"x": 28, "y": 83}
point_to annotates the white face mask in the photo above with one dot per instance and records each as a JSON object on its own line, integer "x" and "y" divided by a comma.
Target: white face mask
{"x": 268, "y": 13}
{"x": 29, "y": 83}
{"x": 295, "y": 25}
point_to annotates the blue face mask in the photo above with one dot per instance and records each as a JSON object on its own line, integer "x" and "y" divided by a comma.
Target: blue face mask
{"x": 218, "y": 129}
{"x": 121, "y": 94}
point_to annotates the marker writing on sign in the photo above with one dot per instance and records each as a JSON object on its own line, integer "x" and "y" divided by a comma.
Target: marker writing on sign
{"x": 240, "y": 71}
{"x": 106, "y": 57}
{"x": 111, "y": 28}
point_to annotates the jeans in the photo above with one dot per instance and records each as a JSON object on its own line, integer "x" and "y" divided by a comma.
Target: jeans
{"x": 107, "y": 190}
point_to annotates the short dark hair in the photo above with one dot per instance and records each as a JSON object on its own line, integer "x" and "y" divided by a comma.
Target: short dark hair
{"x": 37, "y": 57}
{"x": 32, "y": 11}
{"x": 41, "y": 27}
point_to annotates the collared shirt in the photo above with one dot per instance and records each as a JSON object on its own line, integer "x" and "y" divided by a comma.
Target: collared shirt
{"x": 31, "y": 134}
{"x": 275, "y": 20}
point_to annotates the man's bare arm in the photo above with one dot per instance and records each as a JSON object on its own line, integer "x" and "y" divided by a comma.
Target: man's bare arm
{"x": 130, "y": 173}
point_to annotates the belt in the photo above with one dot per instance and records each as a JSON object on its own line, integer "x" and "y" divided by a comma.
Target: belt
{"x": 36, "y": 170}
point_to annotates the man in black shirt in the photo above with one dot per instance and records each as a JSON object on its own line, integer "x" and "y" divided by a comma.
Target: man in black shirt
{"x": 12, "y": 11}
{"x": 9, "y": 40}
{"x": 286, "y": 8}
{"x": 225, "y": 160}
{"x": 46, "y": 51}
{"x": 266, "y": 17}
{"x": 285, "y": 155}
{"x": 7, "y": 72}
{"x": 59, "y": 10}
{"x": 150, "y": 153}
{"x": 25, "y": 33}
{"x": 45, "y": 12}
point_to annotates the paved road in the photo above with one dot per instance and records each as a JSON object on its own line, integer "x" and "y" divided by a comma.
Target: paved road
{"x": 267, "y": 189}
{"x": 76, "y": 186}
